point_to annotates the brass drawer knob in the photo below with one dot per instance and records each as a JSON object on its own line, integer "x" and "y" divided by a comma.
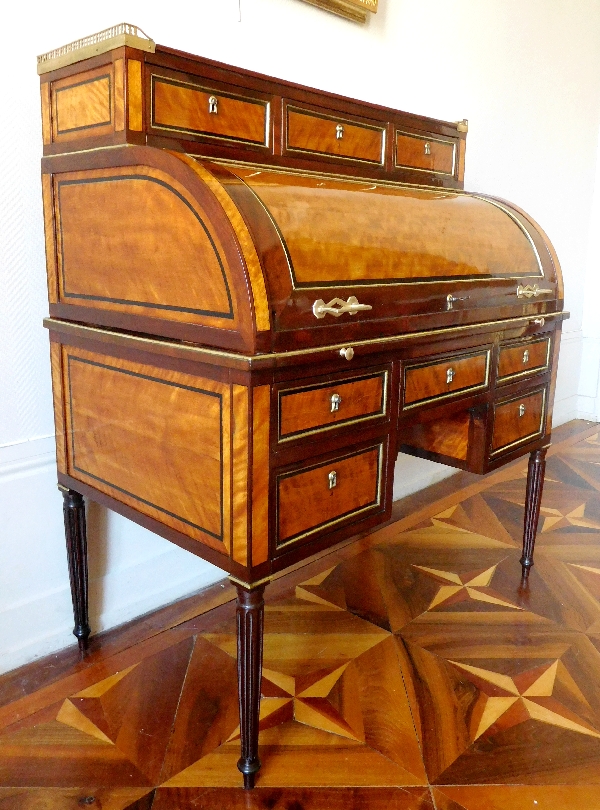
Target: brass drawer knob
{"x": 348, "y": 353}
{"x": 449, "y": 375}
{"x": 336, "y": 401}
{"x": 332, "y": 479}
{"x": 539, "y": 321}
{"x": 213, "y": 105}
{"x": 339, "y": 132}
{"x": 526, "y": 356}
{"x": 521, "y": 410}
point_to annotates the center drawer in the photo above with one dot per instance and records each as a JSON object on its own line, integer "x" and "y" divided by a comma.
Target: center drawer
{"x": 427, "y": 382}
{"x": 321, "y": 407}
{"x": 338, "y": 137}
{"x": 314, "y": 498}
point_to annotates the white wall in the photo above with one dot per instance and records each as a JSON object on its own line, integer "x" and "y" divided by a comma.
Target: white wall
{"x": 526, "y": 73}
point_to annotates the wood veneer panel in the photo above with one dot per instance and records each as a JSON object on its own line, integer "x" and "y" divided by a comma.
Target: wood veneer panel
{"x": 133, "y": 239}
{"x": 305, "y": 410}
{"x": 421, "y": 152}
{"x": 308, "y": 132}
{"x": 183, "y": 107}
{"x": 261, "y": 429}
{"x": 240, "y": 439}
{"x": 422, "y": 383}
{"x": 119, "y": 93}
{"x": 156, "y": 440}
{"x": 58, "y": 397}
{"x": 83, "y": 105}
{"x": 526, "y": 357}
{"x": 511, "y": 425}
{"x": 306, "y": 502}
{"x": 135, "y": 95}
{"x": 448, "y": 437}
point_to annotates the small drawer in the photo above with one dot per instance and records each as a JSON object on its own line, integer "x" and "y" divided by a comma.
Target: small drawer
{"x": 518, "y": 420}
{"x": 338, "y": 137}
{"x": 425, "y": 154}
{"x": 312, "y": 499}
{"x": 187, "y": 107}
{"x": 431, "y": 381}
{"x": 524, "y": 358}
{"x": 323, "y": 407}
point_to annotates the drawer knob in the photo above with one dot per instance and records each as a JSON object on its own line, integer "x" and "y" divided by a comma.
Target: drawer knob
{"x": 526, "y": 356}
{"x": 427, "y": 148}
{"x": 332, "y": 479}
{"x": 539, "y": 321}
{"x": 213, "y": 105}
{"x": 336, "y": 401}
{"x": 521, "y": 410}
{"x": 449, "y": 375}
{"x": 339, "y": 132}
{"x": 348, "y": 353}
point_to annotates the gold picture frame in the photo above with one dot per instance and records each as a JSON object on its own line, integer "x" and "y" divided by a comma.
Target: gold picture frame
{"x": 355, "y": 10}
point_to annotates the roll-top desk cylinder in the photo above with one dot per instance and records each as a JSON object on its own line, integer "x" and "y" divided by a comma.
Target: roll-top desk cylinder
{"x": 260, "y": 294}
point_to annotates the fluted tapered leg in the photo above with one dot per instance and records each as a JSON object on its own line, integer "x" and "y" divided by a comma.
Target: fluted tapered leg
{"x": 250, "y": 614}
{"x": 533, "y": 500}
{"x": 76, "y": 537}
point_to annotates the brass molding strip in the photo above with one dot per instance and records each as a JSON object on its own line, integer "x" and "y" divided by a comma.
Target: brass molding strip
{"x": 248, "y": 585}
{"x": 258, "y": 360}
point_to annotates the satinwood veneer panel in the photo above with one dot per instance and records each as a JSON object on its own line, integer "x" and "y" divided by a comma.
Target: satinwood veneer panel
{"x": 443, "y": 378}
{"x": 308, "y": 132}
{"x": 323, "y": 495}
{"x": 421, "y": 152}
{"x": 88, "y": 104}
{"x": 524, "y": 358}
{"x": 186, "y": 107}
{"x": 324, "y": 406}
{"x": 154, "y": 439}
{"x": 518, "y": 419}
{"x": 349, "y": 232}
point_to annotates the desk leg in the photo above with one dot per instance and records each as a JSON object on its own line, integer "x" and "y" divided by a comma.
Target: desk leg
{"x": 533, "y": 500}
{"x": 250, "y": 613}
{"x": 76, "y": 537}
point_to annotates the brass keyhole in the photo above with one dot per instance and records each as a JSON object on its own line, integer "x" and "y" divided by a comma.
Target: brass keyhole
{"x": 427, "y": 148}
{"x": 339, "y": 132}
{"x": 332, "y": 479}
{"x": 336, "y": 401}
{"x": 449, "y": 375}
{"x": 526, "y": 356}
{"x": 213, "y": 105}
{"x": 521, "y": 410}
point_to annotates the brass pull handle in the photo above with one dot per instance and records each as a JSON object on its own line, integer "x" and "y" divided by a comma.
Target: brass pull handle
{"x": 526, "y": 356}
{"x": 539, "y": 321}
{"x": 348, "y": 353}
{"x": 521, "y": 410}
{"x": 427, "y": 148}
{"x": 332, "y": 479}
{"x": 528, "y": 291}
{"x": 336, "y": 401}
{"x": 449, "y": 375}
{"x": 213, "y": 105}
{"x": 337, "y": 307}
{"x": 339, "y": 132}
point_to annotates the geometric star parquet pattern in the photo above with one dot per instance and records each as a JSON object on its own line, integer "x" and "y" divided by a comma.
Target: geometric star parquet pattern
{"x": 410, "y": 672}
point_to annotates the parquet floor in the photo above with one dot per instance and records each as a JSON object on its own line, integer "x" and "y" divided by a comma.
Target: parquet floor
{"x": 406, "y": 671}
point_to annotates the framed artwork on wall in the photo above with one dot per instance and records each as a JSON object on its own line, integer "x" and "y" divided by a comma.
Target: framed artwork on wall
{"x": 355, "y": 10}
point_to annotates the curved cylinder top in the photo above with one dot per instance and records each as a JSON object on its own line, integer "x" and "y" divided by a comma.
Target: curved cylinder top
{"x": 348, "y": 232}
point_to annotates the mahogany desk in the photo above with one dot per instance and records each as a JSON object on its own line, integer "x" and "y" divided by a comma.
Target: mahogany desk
{"x": 260, "y": 294}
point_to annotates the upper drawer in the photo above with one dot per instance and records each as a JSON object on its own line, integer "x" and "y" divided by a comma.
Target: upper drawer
{"x": 426, "y": 154}
{"x": 323, "y": 407}
{"x": 198, "y": 110}
{"x": 338, "y": 137}
{"x": 524, "y": 358}
{"x": 518, "y": 420}
{"x": 426, "y": 382}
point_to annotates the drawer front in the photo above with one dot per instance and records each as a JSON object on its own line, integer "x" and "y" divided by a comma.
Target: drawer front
{"x": 187, "y": 107}
{"x": 518, "y": 420}
{"x": 309, "y": 500}
{"x": 526, "y": 358}
{"x": 323, "y": 407}
{"x": 426, "y": 154}
{"x": 338, "y": 137}
{"x": 431, "y": 381}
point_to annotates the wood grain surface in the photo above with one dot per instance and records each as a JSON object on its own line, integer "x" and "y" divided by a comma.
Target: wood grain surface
{"x": 517, "y": 419}
{"x": 83, "y": 105}
{"x": 430, "y": 381}
{"x": 526, "y": 357}
{"x": 313, "y": 133}
{"x": 421, "y": 152}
